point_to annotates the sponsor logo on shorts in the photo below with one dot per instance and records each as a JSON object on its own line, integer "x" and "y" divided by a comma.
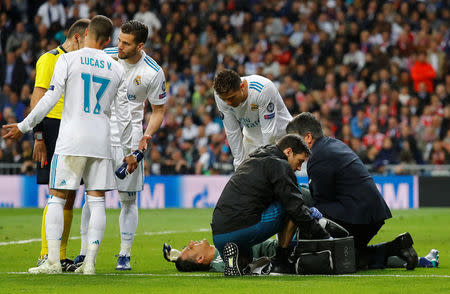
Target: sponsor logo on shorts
{"x": 131, "y": 97}
{"x": 269, "y": 116}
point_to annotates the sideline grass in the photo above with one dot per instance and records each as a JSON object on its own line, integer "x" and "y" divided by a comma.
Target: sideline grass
{"x": 151, "y": 273}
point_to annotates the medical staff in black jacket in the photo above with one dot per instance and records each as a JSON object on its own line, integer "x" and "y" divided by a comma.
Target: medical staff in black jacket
{"x": 344, "y": 191}
{"x": 261, "y": 199}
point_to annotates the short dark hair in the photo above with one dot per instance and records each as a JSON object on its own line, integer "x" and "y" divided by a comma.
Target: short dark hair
{"x": 305, "y": 123}
{"x": 227, "y": 80}
{"x": 78, "y": 27}
{"x": 295, "y": 142}
{"x": 101, "y": 27}
{"x": 186, "y": 265}
{"x": 136, "y": 28}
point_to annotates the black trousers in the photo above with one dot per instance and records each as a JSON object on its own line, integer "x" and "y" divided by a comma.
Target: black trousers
{"x": 51, "y": 130}
{"x": 373, "y": 256}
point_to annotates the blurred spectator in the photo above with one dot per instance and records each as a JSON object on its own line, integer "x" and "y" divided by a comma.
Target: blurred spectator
{"x": 387, "y": 155}
{"x": 422, "y": 72}
{"x": 17, "y": 107}
{"x": 15, "y": 40}
{"x": 373, "y": 137}
{"x": 52, "y": 12}
{"x": 79, "y": 9}
{"x": 12, "y": 72}
{"x": 149, "y": 18}
{"x": 438, "y": 154}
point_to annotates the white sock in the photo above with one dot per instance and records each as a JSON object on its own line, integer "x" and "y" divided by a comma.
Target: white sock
{"x": 85, "y": 216}
{"x": 54, "y": 226}
{"x": 128, "y": 221}
{"x": 91, "y": 253}
{"x": 97, "y": 224}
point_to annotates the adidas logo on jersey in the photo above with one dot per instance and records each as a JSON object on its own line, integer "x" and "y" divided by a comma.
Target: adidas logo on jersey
{"x": 63, "y": 183}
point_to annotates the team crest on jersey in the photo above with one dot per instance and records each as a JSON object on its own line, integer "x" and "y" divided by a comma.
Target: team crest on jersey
{"x": 253, "y": 107}
{"x": 270, "y": 107}
{"x": 137, "y": 80}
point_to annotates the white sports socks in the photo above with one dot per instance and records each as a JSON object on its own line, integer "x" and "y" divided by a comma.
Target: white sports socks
{"x": 54, "y": 226}
{"x": 85, "y": 216}
{"x": 97, "y": 225}
{"x": 128, "y": 221}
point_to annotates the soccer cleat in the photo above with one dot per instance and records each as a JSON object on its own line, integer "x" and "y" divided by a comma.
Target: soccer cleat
{"x": 430, "y": 260}
{"x": 77, "y": 262}
{"x": 87, "y": 268}
{"x": 41, "y": 259}
{"x": 123, "y": 263}
{"x": 46, "y": 268}
{"x": 230, "y": 258}
{"x": 433, "y": 254}
{"x": 66, "y": 264}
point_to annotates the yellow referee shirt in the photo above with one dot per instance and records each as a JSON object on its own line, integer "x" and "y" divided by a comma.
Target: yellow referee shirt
{"x": 44, "y": 72}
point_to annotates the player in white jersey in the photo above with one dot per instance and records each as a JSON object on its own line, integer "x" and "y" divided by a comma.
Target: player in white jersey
{"x": 144, "y": 80}
{"x": 254, "y": 103}
{"x": 91, "y": 81}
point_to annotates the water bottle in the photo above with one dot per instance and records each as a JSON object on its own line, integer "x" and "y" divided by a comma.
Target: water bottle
{"x": 122, "y": 171}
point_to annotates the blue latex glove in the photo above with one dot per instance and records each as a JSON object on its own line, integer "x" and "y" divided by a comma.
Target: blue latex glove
{"x": 315, "y": 213}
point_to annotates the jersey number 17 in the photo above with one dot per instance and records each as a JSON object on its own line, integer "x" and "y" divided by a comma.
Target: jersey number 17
{"x": 87, "y": 86}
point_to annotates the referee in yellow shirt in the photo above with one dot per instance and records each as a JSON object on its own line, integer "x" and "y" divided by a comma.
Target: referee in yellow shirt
{"x": 46, "y": 133}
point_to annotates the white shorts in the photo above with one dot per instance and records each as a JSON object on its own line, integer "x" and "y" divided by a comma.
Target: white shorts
{"x": 133, "y": 182}
{"x": 66, "y": 172}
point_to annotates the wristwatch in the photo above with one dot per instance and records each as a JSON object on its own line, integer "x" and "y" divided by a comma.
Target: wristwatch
{"x": 39, "y": 136}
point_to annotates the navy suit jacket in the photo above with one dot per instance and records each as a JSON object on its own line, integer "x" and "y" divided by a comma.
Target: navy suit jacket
{"x": 341, "y": 185}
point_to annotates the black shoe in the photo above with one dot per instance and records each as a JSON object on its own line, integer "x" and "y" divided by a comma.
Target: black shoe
{"x": 403, "y": 246}
{"x": 231, "y": 258}
{"x": 66, "y": 264}
{"x": 282, "y": 267}
{"x": 280, "y": 262}
{"x": 77, "y": 262}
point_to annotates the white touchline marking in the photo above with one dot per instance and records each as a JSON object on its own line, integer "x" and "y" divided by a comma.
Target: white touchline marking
{"x": 30, "y": 241}
{"x": 78, "y": 237}
{"x": 175, "y": 232}
{"x": 217, "y": 274}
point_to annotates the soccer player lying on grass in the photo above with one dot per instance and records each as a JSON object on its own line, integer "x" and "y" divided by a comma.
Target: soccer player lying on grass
{"x": 200, "y": 256}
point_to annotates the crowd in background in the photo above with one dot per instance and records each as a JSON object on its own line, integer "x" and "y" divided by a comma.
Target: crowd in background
{"x": 376, "y": 73}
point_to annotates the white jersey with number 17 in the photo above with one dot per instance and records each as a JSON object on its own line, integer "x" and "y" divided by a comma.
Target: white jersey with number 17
{"x": 91, "y": 82}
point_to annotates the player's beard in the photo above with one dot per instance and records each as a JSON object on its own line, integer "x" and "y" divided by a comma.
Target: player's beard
{"x": 130, "y": 54}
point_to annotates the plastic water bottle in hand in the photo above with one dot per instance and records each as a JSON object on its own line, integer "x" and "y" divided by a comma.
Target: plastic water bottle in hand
{"x": 122, "y": 171}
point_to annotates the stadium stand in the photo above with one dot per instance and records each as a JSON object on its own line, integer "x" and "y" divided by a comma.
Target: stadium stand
{"x": 375, "y": 72}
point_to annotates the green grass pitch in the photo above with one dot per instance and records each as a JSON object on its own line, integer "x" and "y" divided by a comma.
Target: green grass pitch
{"x": 430, "y": 228}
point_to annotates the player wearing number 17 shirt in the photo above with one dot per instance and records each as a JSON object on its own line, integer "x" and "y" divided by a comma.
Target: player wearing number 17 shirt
{"x": 254, "y": 104}
{"x": 91, "y": 81}
{"x": 144, "y": 80}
